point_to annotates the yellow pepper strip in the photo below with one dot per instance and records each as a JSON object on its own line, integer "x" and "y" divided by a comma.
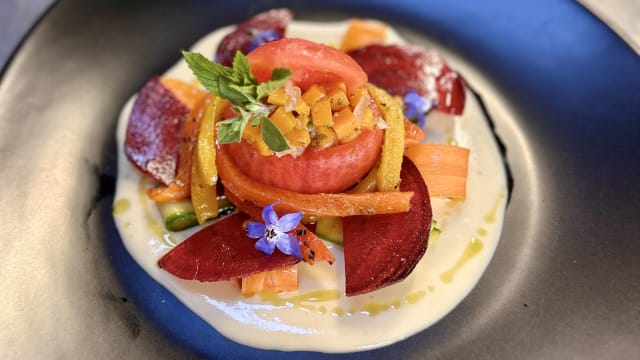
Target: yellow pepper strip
{"x": 388, "y": 177}
{"x": 203, "y": 195}
{"x": 206, "y": 149}
{"x": 368, "y": 183}
{"x": 204, "y": 174}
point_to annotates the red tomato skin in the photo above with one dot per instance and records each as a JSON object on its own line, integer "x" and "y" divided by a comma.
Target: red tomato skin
{"x": 310, "y": 62}
{"x": 331, "y": 170}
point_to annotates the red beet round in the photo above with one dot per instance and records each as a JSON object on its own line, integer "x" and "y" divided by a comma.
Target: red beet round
{"x": 380, "y": 250}
{"x": 400, "y": 68}
{"x": 221, "y": 251}
{"x": 239, "y": 40}
{"x": 154, "y": 130}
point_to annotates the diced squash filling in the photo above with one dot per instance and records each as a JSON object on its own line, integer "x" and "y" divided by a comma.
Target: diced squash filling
{"x": 321, "y": 116}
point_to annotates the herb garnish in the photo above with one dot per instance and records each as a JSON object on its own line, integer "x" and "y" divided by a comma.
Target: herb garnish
{"x": 241, "y": 88}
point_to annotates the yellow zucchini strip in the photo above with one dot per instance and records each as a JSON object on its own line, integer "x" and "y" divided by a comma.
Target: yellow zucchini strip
{"x": 388, "y": 177}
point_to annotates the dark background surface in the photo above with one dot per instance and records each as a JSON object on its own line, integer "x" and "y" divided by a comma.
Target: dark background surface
{"x": 565, "y": 281}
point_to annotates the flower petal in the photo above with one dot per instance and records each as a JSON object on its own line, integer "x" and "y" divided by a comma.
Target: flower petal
{"x": 289, "y": 221}
{"x": 256, "y": 230}
{"x": 265, "y": 245}
{"x": 269, "y": 215}
{"x": 289, "y": 245}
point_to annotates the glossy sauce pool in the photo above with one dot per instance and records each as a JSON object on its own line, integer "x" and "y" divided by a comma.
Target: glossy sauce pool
{"x": 319, "y": 317}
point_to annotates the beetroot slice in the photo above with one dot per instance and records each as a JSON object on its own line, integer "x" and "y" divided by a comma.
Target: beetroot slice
{"x": 380, "y": 250}
{"x": 238, "y": 40}
{"x": 221, "y": 251}
{"x": 400, "y": 68}
{"x": 154, "y": 130}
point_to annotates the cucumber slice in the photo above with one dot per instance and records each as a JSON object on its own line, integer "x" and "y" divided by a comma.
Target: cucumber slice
{"x": 178, "y": 215}
{"x": 330, "y": 228}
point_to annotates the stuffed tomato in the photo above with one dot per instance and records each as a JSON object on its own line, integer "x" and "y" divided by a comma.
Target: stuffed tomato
{"x": 325, "y": 114}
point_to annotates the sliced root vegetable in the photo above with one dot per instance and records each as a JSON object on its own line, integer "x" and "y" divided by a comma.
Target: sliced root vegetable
{"x": 362, "y": 33}
{"x": 152, "y": 141}
{"x": 188, "y": 94}
{"x": 443, "y": 167}
{"x": 383, "y": 249}
{"x": 312, "y": 247}
{"x": 388, "y": 178}
{"x": 282, "y": 279}
{"x": 180, "y": 188}
{"x": 401, "y": 68}
{"x": 311, "y": 205}
{"x": 221, "y": 251}
{"x": 413, "y": 134}
{"x": 247, "y": 33}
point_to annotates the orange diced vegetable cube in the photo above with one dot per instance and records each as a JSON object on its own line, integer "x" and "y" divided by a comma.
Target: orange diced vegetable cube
{"x": 277, "y": 97}
{"x": 253, "y": 135}
{"x": 345, "y": 125}
{"x": 314, "y": 94}
{"x": 283, "y": 120}
{"x": 325, "y": 137}
{"x": 362, "y": 33}
{"x": 321, "y": 114}
{"x": 298, "y": 137}
{"x": 338, "y": 99}
{"x": 302, "y": 108}
{"x": 356, "y": 94}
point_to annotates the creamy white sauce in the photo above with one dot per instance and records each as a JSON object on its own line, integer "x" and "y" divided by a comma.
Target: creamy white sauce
{"x": 319, "y": 317}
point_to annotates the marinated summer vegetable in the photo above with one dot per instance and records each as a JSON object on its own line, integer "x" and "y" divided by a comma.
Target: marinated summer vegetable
{"x": 292, "y": 172}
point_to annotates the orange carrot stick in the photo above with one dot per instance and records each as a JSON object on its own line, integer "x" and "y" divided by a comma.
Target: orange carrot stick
{"x": 443, "y": 167}
{"x": 188, "y": 94}
{"x": 310, "y": 205}
{"x": 413, "y": 134}
{"x": 283, "y": 279}
{"x": 180, "y": 188}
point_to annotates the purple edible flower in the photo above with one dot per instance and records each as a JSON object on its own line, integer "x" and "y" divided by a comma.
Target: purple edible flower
{"x": 260, "y": 37}
{"x": 416, "y": 107}
{"x": 273, "y": 233}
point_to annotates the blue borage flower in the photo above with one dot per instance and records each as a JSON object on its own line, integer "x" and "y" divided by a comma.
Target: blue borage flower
{"x": 259, "y": 37}
{"x": 273, "y": 233}
{"x": 416, "y": 107}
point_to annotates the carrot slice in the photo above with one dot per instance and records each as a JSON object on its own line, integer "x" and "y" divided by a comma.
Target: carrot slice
{"x": 311, "y": 205}
{"x": 443, "y": 167}
{"x": 180, "y": 188}
{"x": 361, "y": 33}
{"x": 413, "y": 134}
{"x": 188, "y": 94}
{"x": 282, "y": 279}
{"x": 312, "y": 247}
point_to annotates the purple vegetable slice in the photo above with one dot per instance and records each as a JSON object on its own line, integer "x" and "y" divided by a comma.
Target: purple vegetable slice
{"x": 401, "y": 68}
{"x": 380, "y": 250}
{"x": 152, "y": 141}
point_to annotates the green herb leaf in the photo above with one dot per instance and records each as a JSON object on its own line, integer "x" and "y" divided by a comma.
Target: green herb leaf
{"x": 230, "y": 130}
{"x": 238, "y": 85}
{"x": 242, "y": 70}
{"x": 278, "y": 77}
{"x": 272, "y": 136}
{"x": 206, "y": 71}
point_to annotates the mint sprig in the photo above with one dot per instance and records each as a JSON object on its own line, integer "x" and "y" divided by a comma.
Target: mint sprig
{"x": 238, "y": 85}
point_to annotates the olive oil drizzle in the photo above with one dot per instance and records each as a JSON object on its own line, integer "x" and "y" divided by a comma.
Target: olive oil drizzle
{"x": 154, "y": 226}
